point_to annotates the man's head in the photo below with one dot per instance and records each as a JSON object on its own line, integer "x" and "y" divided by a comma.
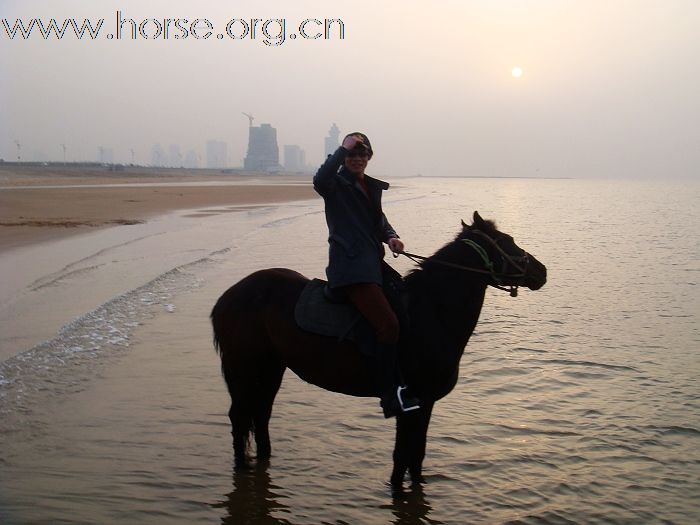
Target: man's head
{"x": 357, "y": 157}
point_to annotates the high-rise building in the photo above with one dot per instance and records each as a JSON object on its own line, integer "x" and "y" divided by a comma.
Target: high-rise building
{"x": 216, "y": 154}
{"x": 263, "y": 153}
{"x": 157, "y": 155}
{"x": 294, "y": 158}
{"x": 174, "y": 156}
{"x": 191, "y": 160}
{"x": 106, "y": 155}
{"x": 332, "y": 142}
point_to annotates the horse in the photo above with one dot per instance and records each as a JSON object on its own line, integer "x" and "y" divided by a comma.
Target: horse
{"x": 257, "y": 338}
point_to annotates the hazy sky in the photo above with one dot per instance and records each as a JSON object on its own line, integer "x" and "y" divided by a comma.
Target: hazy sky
{"x": 608, "y": 87}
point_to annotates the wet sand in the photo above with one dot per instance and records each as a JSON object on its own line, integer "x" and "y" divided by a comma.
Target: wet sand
{"x": 48, "y": 203}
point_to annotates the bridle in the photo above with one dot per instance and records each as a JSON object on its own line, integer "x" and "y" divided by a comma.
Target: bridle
{"x": 519, "y": 262}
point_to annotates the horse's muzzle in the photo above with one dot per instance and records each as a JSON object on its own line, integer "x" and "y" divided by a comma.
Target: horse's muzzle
{"x": 536, "y": 276}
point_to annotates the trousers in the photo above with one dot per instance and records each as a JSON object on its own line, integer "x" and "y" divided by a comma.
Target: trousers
{"x": 371, "y": 302}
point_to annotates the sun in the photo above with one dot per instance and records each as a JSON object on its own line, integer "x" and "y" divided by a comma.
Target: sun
{"x": 517, "y": 72}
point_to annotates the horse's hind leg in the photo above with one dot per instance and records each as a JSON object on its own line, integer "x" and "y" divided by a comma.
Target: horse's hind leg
{"x": 268, "y": 383}
{"x": 240, "y": 428}
{"x": 252, "y": 396}
{"x": 240, "y": 414}
{"x": 242, "y": 389}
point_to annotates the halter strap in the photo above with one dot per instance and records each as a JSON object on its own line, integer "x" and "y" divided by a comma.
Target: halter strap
{"x": 488, "y": 264}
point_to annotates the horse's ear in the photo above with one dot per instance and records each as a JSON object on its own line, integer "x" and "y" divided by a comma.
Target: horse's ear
{"x": 478, "y": 221}
{"x": 464, "y": 225}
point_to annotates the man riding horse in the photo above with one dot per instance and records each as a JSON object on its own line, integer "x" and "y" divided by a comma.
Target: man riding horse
{"x": 357, "y": 228}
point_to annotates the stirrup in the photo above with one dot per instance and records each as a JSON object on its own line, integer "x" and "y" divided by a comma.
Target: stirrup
{"x": 401, "y": 403}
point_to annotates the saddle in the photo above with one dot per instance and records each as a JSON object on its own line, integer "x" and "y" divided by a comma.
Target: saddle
{"x": 324, "y": 311}
{"x": 321, "y": 311}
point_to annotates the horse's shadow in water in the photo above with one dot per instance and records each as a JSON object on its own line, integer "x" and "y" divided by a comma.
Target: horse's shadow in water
{"x": 254, "y": 500}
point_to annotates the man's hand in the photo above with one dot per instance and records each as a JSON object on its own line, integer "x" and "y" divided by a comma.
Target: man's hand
{"x": 395, "y": 245}
{"x": 351, "y": 141}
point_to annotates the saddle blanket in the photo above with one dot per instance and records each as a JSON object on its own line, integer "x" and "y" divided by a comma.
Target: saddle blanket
{"x": 316, "y": 314}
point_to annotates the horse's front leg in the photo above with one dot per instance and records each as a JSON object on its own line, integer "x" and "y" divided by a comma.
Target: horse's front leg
{"x": 409, "y": 448}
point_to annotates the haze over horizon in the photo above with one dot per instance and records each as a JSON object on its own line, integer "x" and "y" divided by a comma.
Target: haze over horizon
{"x": 551, "y": 88}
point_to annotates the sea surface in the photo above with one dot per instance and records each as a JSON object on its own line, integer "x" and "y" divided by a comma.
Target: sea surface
{"x": 577, "y": 403}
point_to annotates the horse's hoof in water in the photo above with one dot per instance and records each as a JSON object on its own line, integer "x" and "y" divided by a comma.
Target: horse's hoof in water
{"x": 416, "y": 476}
{"x": 263, "y": 454}
{"x": 417, "y": 480}
{"x": 241, "y": 464}
{"x": 397, "y": 490}
{"x": 397, "y": 477}
{"x": 262, "y": 464}
{"x": 396, "y": 482}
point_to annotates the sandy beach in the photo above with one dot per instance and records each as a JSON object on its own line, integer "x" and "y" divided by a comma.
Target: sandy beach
{"x": 48, "y": 202}
{"x": 70, "y": 239}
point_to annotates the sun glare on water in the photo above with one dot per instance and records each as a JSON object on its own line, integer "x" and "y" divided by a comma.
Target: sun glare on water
{"x": 516, "y": 72}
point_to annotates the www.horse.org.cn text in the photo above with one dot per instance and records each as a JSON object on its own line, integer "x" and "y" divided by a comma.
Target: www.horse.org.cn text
{"x": 270, "y": 31}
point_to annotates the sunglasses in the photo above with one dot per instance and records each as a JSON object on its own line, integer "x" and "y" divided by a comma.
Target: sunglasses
{"x": 357, "y": 153}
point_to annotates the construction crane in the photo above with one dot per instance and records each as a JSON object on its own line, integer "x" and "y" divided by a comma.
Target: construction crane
{"x": 250, "y": 118}
{"x": 19, "y": 147}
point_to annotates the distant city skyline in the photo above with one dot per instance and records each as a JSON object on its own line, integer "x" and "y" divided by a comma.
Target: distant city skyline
{"x": 215, "y": 153}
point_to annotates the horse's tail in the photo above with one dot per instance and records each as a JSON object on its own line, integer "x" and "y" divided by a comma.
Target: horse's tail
{"x": 225, "y": 318}
{"x": 217, "y": 315}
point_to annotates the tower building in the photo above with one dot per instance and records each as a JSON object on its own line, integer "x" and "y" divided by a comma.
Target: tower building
{"x": 332, "y": 142}
{"x": 263, "y": 153}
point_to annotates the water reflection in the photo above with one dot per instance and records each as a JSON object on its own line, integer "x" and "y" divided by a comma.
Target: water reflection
{"x": 410, "y": 507}
{"x": 253, "y": 500}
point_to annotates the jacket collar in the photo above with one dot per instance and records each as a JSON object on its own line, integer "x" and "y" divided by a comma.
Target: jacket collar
{"x": 371, "y": 181}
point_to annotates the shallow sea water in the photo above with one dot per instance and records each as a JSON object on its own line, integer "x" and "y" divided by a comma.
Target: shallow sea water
{"x": 578, "y": 403}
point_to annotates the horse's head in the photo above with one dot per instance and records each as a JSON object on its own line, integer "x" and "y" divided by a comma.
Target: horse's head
{"x": 507, "y": 263}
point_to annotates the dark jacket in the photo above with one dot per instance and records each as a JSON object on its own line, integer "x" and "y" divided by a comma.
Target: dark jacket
{"x": 357, "y": 225}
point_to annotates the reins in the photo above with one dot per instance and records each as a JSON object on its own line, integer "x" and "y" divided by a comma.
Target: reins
{"x": 488, "y": 263}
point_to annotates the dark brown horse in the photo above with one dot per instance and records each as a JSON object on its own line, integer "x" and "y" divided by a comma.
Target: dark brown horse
{"x": 257, "y": 338}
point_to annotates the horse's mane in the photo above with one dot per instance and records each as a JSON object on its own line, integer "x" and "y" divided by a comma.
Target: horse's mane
{"x": 449, "y": 252}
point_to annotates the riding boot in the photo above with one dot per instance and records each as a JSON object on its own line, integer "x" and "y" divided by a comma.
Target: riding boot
{"x": 395, "y": 398}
